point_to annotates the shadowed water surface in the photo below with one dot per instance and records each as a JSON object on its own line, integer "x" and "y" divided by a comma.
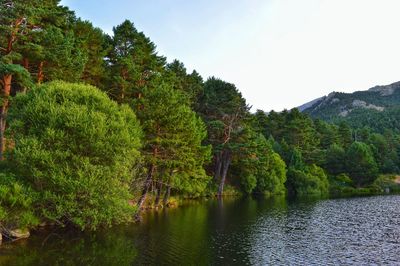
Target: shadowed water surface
{"x": 233, "y": 232}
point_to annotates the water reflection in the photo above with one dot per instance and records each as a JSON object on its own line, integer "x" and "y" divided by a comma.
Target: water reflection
{"x": 252, "y": 231}
{"x": 63, "y": 247}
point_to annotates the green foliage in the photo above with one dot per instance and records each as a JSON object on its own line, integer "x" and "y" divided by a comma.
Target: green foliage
{"x": 77, "y": 152}
{"x": 16, "y": 203}
{"x": 224, "y": 111}
{"x": 360, "y": 164}
{"x": 345, "y": 134}
{"x": 37, "y": 35}
{"x": 133, "y": 62}
{"x": 344, "y": 179}
{"x": 376, "y": 120}
{"x": 249, "y": 183}
{"x": 385, "y": 153}
{"x": 295, "y": 129}
{"x": 191, "y": 85}
{"x": 387, "y": 183}
{"x": 327, "y": 133}
{"x": 310, "y": 181}
{"x": 296, "y": 159}
{"x": 173, "y": 138}
{"x": 342, "y": 185}
{"x": 223, "y": 108}
{"x": 94, "y": 46}
{"x": 77, "y": 149}
{"x": 335, "y": 160}
{"x": 259, "y": 168}
{"x": 60, "y": 55}
{"x": 359, "y": 117}
{"x": 273, "y": 180}
{"x": 302, "y": 142}
{"x": 20, "y": 74}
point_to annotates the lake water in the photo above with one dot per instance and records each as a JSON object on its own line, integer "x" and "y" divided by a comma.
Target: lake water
{"x": 249, "y": 231}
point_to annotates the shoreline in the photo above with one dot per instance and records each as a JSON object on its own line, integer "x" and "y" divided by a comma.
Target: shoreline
{"x": 181, "y": 201}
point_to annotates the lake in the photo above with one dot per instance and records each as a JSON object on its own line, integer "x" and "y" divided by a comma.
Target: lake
{"x": 249, "y": 231}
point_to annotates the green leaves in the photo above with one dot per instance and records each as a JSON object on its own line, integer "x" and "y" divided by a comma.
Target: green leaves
{"x": 77, "y": 149}
{"x": 257, "y": 166}
{"x": 173, "y": 138}
{"x": 360, "y": 164}
{"x": 133, "y": 62}
{"x": 16, "y": 203}
{"x": 310, "y": 181}
{"x": 21, "y": 75}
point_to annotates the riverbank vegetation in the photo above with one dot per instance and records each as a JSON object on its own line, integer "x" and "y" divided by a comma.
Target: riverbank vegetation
{"x": 94, "y": 128}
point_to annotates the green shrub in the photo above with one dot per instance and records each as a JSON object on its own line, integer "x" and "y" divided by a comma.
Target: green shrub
{"x": 272, "y": 180}
{"x": 248, "y": 182}
{"x": 385, "y": 182}
{"x": 77, "y": 149}
{"x": 360, "y": 164}
{"x": 16, "y": 199}
{"x": 310, "y": 181}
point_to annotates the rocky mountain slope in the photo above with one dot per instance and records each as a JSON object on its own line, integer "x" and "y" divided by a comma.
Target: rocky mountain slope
{"x": 378, "y": 107}
{"x": 339, "y": 104}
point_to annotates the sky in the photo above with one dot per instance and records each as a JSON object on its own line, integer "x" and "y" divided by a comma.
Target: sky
{"x": 279, "y": 53}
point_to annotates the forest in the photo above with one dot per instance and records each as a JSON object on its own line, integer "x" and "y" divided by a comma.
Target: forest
{"x": 95, "y": 128}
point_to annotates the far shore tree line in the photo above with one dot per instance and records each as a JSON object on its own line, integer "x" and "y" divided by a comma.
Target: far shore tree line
{"x": 93, "y": 128}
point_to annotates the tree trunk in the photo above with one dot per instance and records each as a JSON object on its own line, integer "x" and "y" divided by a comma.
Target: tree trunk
{"x": 25, "y": 63}
{"x": 6, "y": 82}
{"x": 146, "y": 187}
{"x": 122, "y": 94}
{"x": 40, "y": 75}
{"x": 7, "y": 79}
{"x": 124, "y": 74}
{"x": 218, "y": 165}
{"x": 225, "y": 166}
{"x": 158, "y": 195}
{"x": 166, "y": 196}
{"x": 168, "y": 189}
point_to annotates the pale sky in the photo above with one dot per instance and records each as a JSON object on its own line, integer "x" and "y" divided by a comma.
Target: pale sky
{"x": 279, "y": 53}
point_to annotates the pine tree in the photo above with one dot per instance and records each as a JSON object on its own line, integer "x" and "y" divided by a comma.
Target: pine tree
{"x": 345, "y": 135}
{"x": 360, "y": 164}
{"x": 133, "y": 62}
{"x": 258, "y": 166}
{"x": 223, "y": 109}
{"x": 173, "y": 150}
{"x": 16, "y": 25}
{"x": 190, "y": 84}
{"x": 36, "y": 43}
{"x": 94, "y": 45}
{"x": 335, "y": 160}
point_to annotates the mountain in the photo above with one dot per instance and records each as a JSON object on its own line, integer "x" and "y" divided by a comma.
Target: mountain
{"x": 378, "y": 107}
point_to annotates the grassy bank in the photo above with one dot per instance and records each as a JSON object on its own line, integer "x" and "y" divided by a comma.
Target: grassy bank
{"x": 384, "y": 184}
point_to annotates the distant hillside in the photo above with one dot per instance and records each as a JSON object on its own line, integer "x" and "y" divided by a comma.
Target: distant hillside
{"x": 378, "y": 107}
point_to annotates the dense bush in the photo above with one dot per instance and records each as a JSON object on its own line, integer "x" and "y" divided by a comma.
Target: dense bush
{"x": 311, "y": 180}
{"x": 273, "y": 179}
{"x": 335, "y": 160}
{"x": 360, "y": 164}
{"x": 16, "y": 199}
{"x": 77, "y": 149}
{"x": 249, "y": 183}
{"x": 258, "y": 167}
